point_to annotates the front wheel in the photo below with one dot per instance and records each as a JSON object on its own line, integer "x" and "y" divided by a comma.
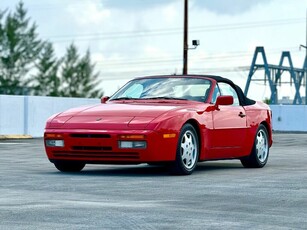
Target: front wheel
{"x": 260, "y": 151}
{"x": 187, "y": 151}
{"x": 69, "y": 166}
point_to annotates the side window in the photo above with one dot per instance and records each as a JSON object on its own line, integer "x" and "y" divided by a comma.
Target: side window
{"x": 227, "y": 89}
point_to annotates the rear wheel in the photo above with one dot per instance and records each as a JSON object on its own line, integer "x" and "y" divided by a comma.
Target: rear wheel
{"x": 187, "y": 151}
{"x": 260, "y": 151}
{"x": 69, "y": 166}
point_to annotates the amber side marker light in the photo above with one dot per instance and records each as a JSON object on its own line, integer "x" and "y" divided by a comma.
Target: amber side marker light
{"x": 169, "y": 135}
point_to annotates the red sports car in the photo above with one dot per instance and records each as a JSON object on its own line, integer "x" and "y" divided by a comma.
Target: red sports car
{"x": 172, "y": 120}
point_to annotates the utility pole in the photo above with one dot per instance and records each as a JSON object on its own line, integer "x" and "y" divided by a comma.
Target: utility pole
{"x": 185, "y": 39}
{"x": 305, "y": 63}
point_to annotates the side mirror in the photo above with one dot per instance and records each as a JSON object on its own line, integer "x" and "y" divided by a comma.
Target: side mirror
{"x": 104, "y": 99}
{"x": 224, "y": 100}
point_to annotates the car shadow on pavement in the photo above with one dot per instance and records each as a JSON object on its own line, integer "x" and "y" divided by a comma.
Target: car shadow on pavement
{"x": 144, "y": 170}
{"x": 219, "y": 165}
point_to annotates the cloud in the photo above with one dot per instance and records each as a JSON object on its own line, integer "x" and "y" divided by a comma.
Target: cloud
{"x": 135, "y": 4}
{"x": 228, "y": 7}
{"x": 89, "y": 13}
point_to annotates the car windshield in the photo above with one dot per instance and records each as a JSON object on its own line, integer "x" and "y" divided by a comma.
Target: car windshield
{"x": 172, "y": 88}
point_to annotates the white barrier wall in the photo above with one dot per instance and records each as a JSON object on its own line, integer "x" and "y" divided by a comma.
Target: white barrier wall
{"x": 12, "y": 111}
{"x": 26, "y": 115}
{"x": 289, "y": 117}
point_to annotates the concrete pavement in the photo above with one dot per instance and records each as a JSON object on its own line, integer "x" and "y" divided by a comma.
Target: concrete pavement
{"x": 218, "y": 195}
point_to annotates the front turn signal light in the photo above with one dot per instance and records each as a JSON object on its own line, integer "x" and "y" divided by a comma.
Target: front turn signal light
{"x": 53, "y": 135}
{"x": 132, "y": 136}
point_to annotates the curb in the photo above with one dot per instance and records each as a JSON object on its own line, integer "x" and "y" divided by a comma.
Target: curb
{"x": 5, "y": 137}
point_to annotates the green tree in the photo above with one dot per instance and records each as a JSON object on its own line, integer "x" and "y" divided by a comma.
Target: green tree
{"x": 46, "y": 81}
{"x": 79, "y": 78}
{"x": 89, "y": 78}
{"x": 19, "y": 49}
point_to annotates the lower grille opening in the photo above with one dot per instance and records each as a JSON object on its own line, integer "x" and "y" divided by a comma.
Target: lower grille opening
{"x": 98, "y": 155}
{"x": 87, "y": 135}
{"x": 92, "y": 148}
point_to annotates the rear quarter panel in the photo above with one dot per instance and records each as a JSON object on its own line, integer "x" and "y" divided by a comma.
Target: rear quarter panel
{"x": 259, "y": 113}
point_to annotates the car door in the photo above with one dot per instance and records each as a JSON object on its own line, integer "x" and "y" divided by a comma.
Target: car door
{"x": 229, "y": 126}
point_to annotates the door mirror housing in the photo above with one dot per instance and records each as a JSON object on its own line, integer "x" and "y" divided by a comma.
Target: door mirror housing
{"x": 224, "y": 100}
{"x": 104, "y": 99}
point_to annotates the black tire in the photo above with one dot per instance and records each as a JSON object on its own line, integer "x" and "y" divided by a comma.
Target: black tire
{"x": 187, "y": 151}
{"x": 260, "y": 151}
{"x": 69, "y": 166}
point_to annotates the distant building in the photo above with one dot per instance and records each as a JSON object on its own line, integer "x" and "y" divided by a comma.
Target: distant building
{"x": 285, "y": 100}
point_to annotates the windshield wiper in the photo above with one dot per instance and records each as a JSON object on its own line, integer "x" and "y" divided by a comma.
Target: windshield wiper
{"x": 148, "y": 98}
{"x": 124, "y": 98}
{"x": 163, "y": 98}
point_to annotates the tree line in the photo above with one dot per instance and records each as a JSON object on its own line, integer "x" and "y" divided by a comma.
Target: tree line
{"x": 29, "y": 65}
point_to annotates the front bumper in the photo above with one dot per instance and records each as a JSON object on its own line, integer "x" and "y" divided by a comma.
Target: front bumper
{"x": 92, "y": 146}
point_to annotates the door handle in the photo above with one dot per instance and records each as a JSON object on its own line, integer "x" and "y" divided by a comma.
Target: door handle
{"x": 242, "y": 115}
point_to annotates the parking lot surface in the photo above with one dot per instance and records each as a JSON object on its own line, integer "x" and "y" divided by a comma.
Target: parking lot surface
{"x": 218, "y": 195}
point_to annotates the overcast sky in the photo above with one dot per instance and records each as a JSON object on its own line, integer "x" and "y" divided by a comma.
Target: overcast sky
{"x": 129, "y": 38}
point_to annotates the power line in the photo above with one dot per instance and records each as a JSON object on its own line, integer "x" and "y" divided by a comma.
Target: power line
{"x": 231, "y": 56}
{"x": 124, "y": 74}
{"x": 120, "y": 71}
{"x": 172, "y": 31}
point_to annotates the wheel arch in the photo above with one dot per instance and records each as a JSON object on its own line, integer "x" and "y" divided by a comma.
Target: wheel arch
{"x": 195, "y": 125}
{"x": 268, "y": 129}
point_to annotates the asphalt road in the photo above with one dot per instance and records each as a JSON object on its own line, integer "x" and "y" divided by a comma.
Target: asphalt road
{"x": 218, "y": 195}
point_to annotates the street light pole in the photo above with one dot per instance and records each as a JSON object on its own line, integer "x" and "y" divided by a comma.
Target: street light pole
{"x": 185, "y": 39}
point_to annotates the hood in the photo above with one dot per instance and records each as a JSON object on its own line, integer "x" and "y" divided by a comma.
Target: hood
{"x": 112, "y": 116}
